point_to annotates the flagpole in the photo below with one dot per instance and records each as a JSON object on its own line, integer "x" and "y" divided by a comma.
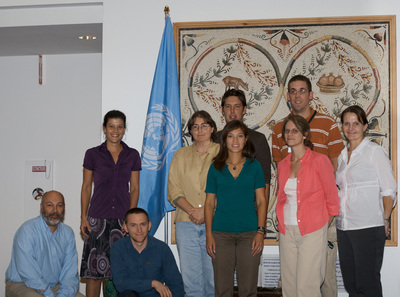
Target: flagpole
{"x": 166, "y": 231}
{"x": 162, "y": 136}
{"x": 166, "y": 11}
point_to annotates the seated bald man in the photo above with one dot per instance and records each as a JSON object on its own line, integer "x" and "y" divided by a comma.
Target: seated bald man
{"x": 44, "y": 261}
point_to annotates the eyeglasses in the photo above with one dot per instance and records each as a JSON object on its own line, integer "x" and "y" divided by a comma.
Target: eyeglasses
{"x": 293, "y": 131}
{"x": 300, "y": 92}
{"x": 201, "y": 127}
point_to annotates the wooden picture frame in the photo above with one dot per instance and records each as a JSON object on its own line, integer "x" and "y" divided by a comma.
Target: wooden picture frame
{"x": 262, "y": 55}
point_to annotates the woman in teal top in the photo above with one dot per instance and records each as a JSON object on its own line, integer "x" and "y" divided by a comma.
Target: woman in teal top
{"x": 235, "y": 213}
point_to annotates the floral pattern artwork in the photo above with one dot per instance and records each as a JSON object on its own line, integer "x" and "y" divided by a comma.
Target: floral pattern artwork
{"x": 347, "y": 60}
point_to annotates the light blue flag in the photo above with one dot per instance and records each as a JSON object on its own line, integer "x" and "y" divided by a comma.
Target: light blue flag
{"x": 162, "y": 135}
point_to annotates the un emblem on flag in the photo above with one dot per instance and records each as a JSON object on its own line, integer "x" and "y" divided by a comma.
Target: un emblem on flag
{"x": 161, "y": 136}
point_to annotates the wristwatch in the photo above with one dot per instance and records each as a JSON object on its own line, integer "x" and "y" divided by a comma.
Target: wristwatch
{"x": 262, "y": 229}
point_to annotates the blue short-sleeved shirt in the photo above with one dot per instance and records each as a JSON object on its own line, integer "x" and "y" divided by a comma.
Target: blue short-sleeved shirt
{"x": 235, "y": 197}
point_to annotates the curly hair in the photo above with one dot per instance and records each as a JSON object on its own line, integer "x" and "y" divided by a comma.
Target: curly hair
{"x": 207, "y": 118}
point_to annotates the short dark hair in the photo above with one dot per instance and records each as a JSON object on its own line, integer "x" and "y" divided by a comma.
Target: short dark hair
{"x": 303, "y": 126}
{"x": 248, "y": 149}
{"x": 233, "y": 92}
{"x": 360, "y": 113}
{"x": 300, "y": 77}
{"x": 114, "y": 114}
{"x": 135, "y": 210}
{"x": 207, "y": 118}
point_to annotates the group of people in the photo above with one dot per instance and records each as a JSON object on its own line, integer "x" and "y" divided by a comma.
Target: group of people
{"x": 222, "y": 198}
{"x": 219, "y": 185}
{"x": 44, "y": 257}
{"x": 361, "y": 197}
{"x": 220, "y": 188}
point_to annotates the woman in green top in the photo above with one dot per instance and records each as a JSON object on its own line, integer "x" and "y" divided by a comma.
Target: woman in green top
{"x": 235, "y": 213}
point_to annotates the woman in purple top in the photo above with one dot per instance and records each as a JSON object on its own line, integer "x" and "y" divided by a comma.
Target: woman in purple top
{"x": 114, "y": 168}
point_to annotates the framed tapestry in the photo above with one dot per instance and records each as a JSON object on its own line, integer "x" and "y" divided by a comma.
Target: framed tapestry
{"x": 349, "y": 60}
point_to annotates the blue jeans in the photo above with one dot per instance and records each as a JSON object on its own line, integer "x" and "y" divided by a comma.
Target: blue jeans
{"x": 196, "y": 268}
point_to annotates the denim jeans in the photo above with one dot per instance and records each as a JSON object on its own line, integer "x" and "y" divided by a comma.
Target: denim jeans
{"x": 196, "y": 268}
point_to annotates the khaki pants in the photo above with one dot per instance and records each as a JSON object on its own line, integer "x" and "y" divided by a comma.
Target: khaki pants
{"x": 233, "y": 250}
{"x": 329, "y": 287}
{"x": 14, "y": 289}
{"x": 303, "y": 261}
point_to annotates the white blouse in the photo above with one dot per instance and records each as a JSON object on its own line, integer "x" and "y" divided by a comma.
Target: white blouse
{"x": 362, "y": 183}
{"x": 290, "y": 208}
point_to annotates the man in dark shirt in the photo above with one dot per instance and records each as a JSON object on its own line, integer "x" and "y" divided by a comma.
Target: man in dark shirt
{"x": 234, "y": 107}
{"x": 142, "y": 265}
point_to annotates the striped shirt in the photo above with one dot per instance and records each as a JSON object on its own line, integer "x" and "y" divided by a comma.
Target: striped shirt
{"x": 325, "y": 136}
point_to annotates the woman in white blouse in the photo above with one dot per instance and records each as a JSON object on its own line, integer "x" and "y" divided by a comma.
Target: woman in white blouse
{"x": 367, "y": 191}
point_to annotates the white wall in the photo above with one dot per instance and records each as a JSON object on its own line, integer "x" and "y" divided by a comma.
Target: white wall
{"x": 132, "y": 35}
{"x": 56, "y": 121}
{"x": 17, "y": 13}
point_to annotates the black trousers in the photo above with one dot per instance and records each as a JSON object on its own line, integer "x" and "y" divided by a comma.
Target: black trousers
{"x": 361, "y": 256}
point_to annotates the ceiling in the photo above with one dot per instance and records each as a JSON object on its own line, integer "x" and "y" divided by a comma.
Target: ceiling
{"x": 50, "y": 40}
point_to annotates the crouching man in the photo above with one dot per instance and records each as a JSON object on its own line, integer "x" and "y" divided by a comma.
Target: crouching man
{"x": 142, "y": 265}
{"x": 44, "y": 261}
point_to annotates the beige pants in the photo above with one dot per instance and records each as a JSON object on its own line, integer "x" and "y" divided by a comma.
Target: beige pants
{"x": 303, "y": 261}
{"x": 14, "y": 289}
{"x": 329, "y": 287}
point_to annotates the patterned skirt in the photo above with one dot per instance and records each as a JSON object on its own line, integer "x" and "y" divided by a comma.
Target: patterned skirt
{"x": 96, "y": 249}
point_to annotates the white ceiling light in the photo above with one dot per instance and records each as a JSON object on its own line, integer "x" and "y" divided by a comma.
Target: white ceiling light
{"x": 87, "y": 37}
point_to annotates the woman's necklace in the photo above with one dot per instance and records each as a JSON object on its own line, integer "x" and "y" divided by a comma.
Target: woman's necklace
{"x": 235, "y": 165}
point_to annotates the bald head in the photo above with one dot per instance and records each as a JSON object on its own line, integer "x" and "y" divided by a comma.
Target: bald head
{"x": 52, "y": 195}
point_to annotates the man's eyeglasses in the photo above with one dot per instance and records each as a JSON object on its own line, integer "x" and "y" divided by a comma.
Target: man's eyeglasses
{"x": 300, "y": 92}
{"x": 201, "y": 127}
